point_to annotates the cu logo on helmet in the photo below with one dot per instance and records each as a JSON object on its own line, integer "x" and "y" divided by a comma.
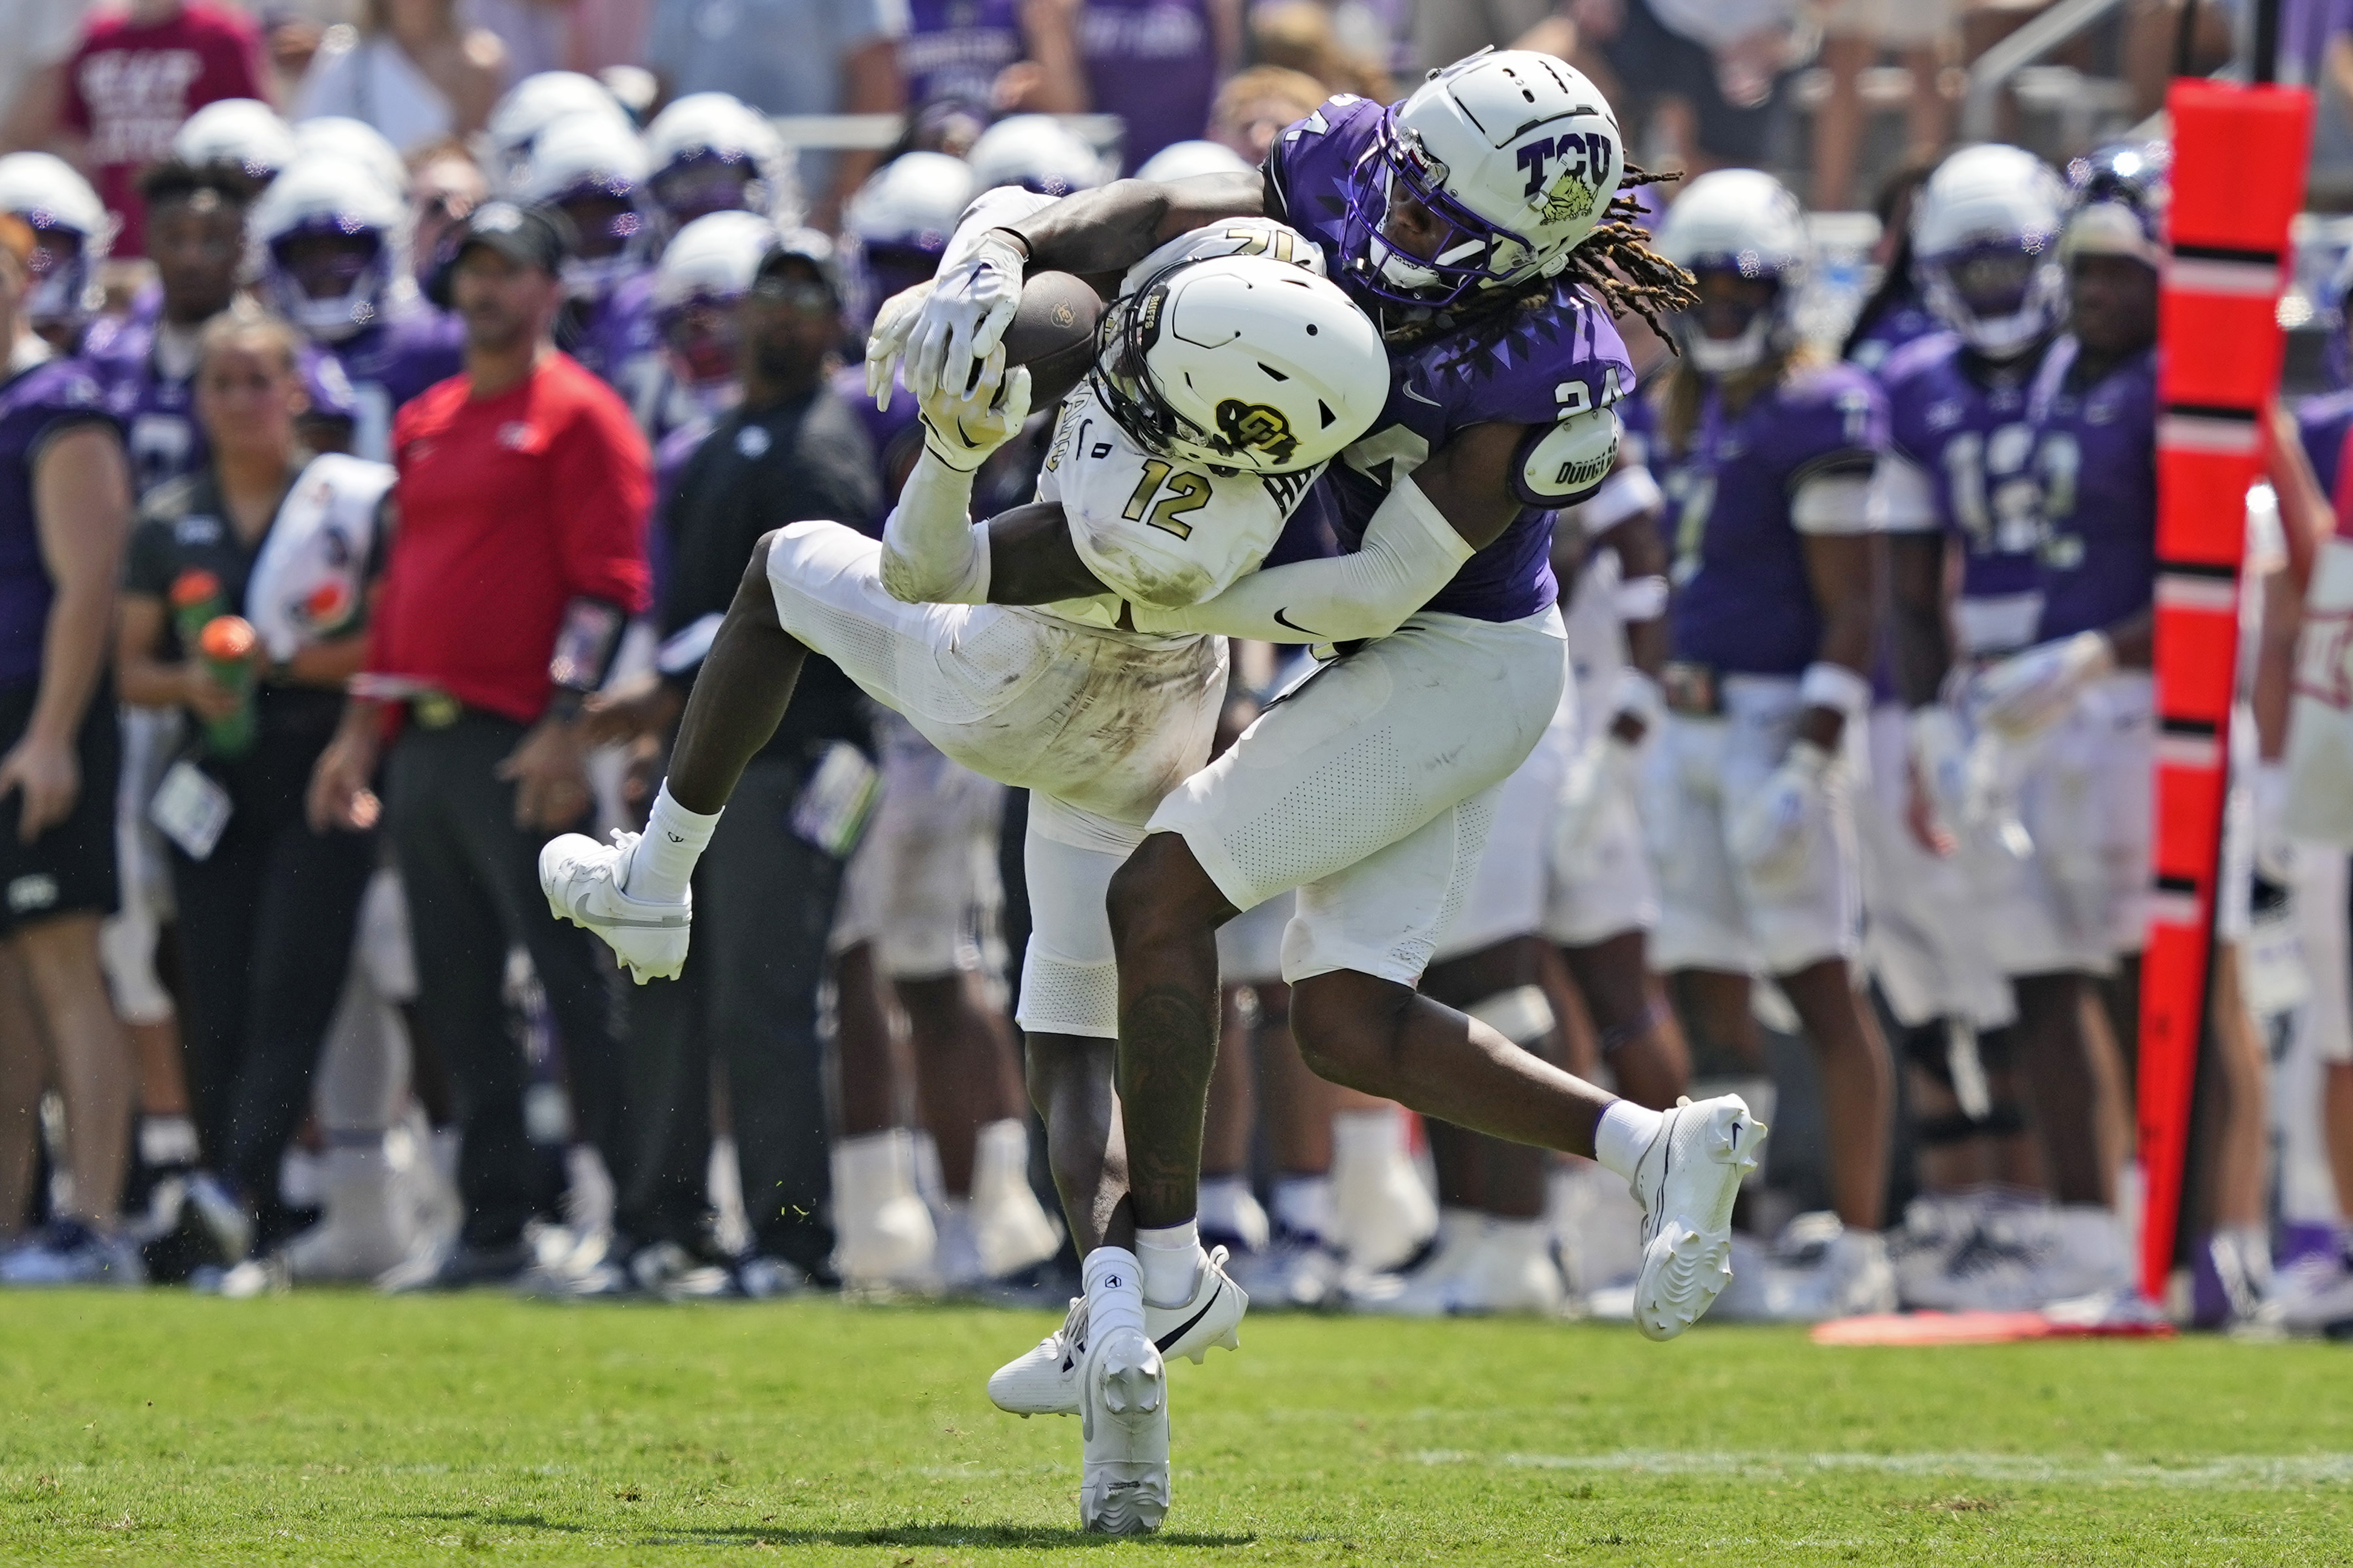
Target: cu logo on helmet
{"x": 1259, "y": 426}
{"x": 1579, "y": 163}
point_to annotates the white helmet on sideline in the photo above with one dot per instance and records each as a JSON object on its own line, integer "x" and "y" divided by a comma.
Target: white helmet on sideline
{"x": 593, "y": 168}
{"x": 241, "y": 131}
{"x": 707, "y": 269}
{"x": 1184, "y": 160}
{"x": 1746, "y": 223}
{"x": 711, "y": 152}
{"x": 1240, "y": 362}
{"x": 72, "y": 231}
{"x": 340, "y": 280}
{"x": 530, "y": 107}
{"x": 1034, "y": 151}
{"x": 897, "y": 227}
{"x": 1515, "y": 153}
{"x": 354, "y": 142}
{"x": 1984, "y": 247}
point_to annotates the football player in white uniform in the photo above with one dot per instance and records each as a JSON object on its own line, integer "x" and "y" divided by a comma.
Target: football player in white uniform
{"x": 1011, "y": 646}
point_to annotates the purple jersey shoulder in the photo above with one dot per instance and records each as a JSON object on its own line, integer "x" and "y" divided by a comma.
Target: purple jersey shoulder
{"x": 1903, "y": 322}
{"x": 888, "y": 431}
{"x": 2323, "y": 422}
{"x": 1969, "y": 437}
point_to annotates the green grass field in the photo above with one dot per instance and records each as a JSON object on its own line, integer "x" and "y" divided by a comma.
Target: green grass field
{"x": 328, "y": 1427}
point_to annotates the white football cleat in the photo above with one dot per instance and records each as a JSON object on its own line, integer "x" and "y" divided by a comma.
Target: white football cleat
{"x": 1124, "y": 1481}
{"x": 1045, "y": 1381}
{"x": 582, "y": 879}
{"x": 1687, "y": 1182}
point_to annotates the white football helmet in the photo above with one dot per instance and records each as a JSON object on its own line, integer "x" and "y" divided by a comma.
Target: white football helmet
{"x": 1743, "y": 222}
{"x": 241, "y": 131}
{"x": 897, "y": 227}
{"x": 1184, "y": 160}
{"x": 1984, "y": 247}
{"x": 354, "y": 142}
{"x": 1515, "y": 153}
{"x": 73, "y": 231}
{"x": 1034, "y": 151}
{"x": 705, "y": 271}
{"x": 530, "y": 107}
{"x": 711, "y": 152}
{"x": 593, "y": 168}
{"x": 361, "y": 233}
{"x": 1240, "y": 362}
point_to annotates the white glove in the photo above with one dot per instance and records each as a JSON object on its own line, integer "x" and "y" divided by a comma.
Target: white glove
{"x": 1602, "y": 768}
{"x": 961, "y": 435}
{"x": 2267, "y": 795}
{"x": 1770, "y": 833}
{"x": 1940, "y": 756}
{"x": 971, "y": 304}
{"x": 888, "y": 341}
{"x": 2028, "y": 692}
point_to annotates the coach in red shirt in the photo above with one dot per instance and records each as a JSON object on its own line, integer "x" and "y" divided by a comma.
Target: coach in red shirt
{"x": 519, "y": 554}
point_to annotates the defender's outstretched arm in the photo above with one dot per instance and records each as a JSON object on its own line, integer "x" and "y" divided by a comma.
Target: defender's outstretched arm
{"x": 1112, "y": 228}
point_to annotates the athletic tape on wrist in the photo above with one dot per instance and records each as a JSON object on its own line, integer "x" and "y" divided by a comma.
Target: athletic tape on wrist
{"x": 1641, "y": 599}
{"x": 1828, "y": 686}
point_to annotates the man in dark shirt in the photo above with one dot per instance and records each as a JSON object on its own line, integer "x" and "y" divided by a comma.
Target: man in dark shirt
{"x": 764, "y": 894}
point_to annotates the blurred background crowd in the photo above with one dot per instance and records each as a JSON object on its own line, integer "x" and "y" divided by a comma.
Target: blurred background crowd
{"x": 256, "y": 1029}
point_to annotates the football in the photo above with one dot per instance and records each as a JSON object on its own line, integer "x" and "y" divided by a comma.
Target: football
{"x": 1053, "y": 333}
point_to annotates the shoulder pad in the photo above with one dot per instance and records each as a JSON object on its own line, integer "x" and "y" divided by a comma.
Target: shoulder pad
{"x": 1559, "y": 463}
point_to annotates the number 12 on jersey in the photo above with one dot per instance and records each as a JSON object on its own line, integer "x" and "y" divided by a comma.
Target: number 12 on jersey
{"x": 1186, "y": 492}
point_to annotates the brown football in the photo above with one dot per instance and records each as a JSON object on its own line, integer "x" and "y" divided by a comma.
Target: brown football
{"x": 1053, "y": 333}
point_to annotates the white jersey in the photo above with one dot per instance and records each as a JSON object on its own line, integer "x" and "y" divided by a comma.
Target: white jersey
{"x": 1152, "y": 531}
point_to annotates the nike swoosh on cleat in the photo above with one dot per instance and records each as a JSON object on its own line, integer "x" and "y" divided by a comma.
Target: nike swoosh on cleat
{"x": 1178, "y": 1332}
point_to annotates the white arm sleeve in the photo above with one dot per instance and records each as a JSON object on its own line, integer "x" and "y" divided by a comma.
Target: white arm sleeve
{"x": 1833, "y": 503}
{"x": 1410, "y": 552}
{"x": 931, "y": 554}
{"x": 1902, "y": 500}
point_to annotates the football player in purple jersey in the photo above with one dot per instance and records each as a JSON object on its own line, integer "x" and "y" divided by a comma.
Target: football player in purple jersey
{"x": 593, "y": 168}
{"x": 1765, "y": 458}
{"x": 334, "y": 261}
{"x": 65, "y": 506}
{"x": 2075, "y": 711}
{"x": 1476, "y": 221}
{"x": 1957, "y": 481}
{"x": 1894, "y": 313}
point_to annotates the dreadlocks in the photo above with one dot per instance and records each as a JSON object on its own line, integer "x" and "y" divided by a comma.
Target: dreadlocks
{"x": 1617, "y": 263}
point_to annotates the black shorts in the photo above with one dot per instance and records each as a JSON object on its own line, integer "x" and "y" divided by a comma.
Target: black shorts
{"x": 1652, "y": 60}
{"x": 68, "y": 870}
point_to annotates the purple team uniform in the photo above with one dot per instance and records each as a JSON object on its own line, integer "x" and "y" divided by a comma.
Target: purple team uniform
{"x": 954, "y": 49}
{"x": 1903, "y": 320}
{"x": 2324, "y": 421}
{"x": 1153, "y": 63}
{"x": 1962, "y": 422}
{"x": 1511, "y": 370}
{"x": 161, "y": 435}
{"x": 2095, "y": 454}
{"x": 69, "y": 869}
{"x": 387, "y": 365}
{"x": 1744, "y": 603}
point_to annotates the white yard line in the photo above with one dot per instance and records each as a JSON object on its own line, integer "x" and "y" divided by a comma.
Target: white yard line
{"x": 2256, "y": 1471}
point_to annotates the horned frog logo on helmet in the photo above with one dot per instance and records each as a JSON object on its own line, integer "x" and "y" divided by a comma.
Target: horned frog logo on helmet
{"x": 1256, "y": 425}
{"x": 1569, "y": 199}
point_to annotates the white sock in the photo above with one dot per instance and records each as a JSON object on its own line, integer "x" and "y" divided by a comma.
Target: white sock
{"x": 1171, "y": 1260}
{"x": 1626, "y": 1130}
{"x": 167, "y": 1140}
{"x": 1303, "y": 1205}
{"x": 662, "y": 865}
{"x": 1114, "y": 1287}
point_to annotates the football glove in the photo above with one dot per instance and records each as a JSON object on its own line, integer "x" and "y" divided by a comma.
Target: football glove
{"x": 1770, "y": 833}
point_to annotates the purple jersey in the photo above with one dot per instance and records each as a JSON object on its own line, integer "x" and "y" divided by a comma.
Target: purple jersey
{"x": 1962, "y": 422}
{"x": 1154, "y": 64}
{"x": 1526, "y": 367}
{"x": 160, "y": 433}
{"x": 2095, "y": 453}
{"x": 1744, "y": 603}
{"x": 895, "y": 432}
{"x": 2323, "y": 423}
{"x": 956, "y": 48}
{"x": 34, "y": 405}
{"x": 391, "y": 362}
{"x": 1903, "y": 320}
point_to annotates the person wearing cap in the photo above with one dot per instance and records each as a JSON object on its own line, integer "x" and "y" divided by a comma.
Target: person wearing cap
{"x": 790, "y": 449}
{"x": 64, "y": 509}
{"x": 517, "y": 558}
